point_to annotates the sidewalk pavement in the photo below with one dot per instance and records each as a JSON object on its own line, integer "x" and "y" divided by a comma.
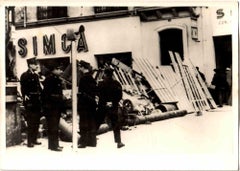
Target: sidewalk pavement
{"x": 175, "y": 143}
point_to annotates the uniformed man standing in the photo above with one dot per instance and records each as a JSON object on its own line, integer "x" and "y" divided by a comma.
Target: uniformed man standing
{"x": 31, "y": 93}
{"x": 110, "y": 93}
{"x": 220, "y": 82}
{"x": 53, "y": 105}
{"x": 87, "y": 91}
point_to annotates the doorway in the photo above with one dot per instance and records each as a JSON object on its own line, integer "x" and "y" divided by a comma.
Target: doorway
{"x": 170, "y": 40}
{"x": 223, "y": 51}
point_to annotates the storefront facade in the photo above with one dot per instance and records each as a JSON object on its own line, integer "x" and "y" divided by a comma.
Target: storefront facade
{"x": 134, "y": 33}
{"x": 125, "y": 33}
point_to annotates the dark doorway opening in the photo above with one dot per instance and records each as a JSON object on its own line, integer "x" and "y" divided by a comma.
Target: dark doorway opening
{"x": 124, "y": 57}
{"x": 170, "y": 40}
{"x": 223, "y": 51}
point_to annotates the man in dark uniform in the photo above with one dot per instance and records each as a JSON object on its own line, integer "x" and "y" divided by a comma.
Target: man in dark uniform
{"x": 31, "y": 93}
{"x": 53, "y": 105}
{"x": 87, "y": 91}
{"x": 110, "y": 93}
{"x": 220, "y": 82}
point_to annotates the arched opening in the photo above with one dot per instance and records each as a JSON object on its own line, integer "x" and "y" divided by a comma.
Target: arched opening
{"x": 170, "y": 40}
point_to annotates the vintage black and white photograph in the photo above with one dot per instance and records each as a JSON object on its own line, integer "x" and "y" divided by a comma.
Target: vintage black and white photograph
{"x": 120, "y": 87}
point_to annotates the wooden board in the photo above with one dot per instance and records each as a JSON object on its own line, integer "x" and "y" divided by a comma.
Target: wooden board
{"x": 157, "y": 83}
{"x": 175, "y": 83}
{"x": 203, "y": 85}
{"x": 192, "y": 86}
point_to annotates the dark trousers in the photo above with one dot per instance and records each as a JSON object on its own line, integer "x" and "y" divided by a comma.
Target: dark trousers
{"x": 100, "y": 116}
{"x": 113, "y": 116}
{"x": 221, "y": 95}
{"x": 53, "y": 118}
{"x": 33, "y": 121}
{"x": 87, "y": 125}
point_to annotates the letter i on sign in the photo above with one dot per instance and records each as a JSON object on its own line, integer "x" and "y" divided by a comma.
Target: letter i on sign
{"x": 35, "y": 52}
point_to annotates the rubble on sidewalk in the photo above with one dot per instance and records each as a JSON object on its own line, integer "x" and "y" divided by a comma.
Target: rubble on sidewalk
{"x": 151, "y": 93}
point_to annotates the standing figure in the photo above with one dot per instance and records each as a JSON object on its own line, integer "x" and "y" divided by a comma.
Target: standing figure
{"x": 110, "y": 93}
{"x": 87, "y": 91}
{"x": 201, "y": 74}
{"x": 53, "y": 105}
{"x": 31, "y": 93}
{"x": 221, "y": 86}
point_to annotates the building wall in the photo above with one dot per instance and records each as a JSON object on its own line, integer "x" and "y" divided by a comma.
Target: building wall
{"x": 200, "y": 52}
{"x": 203, "y": 54}
{"x": 102, "y": 37}
{"x": 150, "y": 37}
{"x": 126, "y": 35}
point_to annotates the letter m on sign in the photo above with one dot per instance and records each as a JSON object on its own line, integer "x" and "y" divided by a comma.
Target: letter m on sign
{"x": 49, "y": 45}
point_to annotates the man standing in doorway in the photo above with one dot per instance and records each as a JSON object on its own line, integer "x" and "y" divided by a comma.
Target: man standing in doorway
{"x": 31, "y": 93}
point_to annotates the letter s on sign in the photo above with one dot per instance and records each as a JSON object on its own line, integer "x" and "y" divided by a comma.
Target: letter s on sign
{"x": 22, "y": 45}
{"x": 220, "y": 13}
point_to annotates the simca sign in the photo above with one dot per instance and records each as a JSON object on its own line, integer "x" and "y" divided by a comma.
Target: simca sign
{"x": 49, "y": 44}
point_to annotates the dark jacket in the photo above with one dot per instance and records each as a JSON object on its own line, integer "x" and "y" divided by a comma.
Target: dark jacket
{"x": 30, "y": 86}
{"x": 87, "y": 90}
{"x": 220, "y": 80}
{"x": 110, "y": 91}
{"x": 52, "y": 92}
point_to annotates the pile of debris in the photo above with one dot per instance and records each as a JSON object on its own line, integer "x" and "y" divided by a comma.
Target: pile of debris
{"x": 152, "y": 93}
{"x": 166, "y": 88}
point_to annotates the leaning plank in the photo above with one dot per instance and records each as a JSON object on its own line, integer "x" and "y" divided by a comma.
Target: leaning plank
{"x": 175, "y": 83}
{"x": 203, "y": 85}
{"x": 126, "y": 74}
{"x": 179, "y": 70}
{"x": 164, "y": 95}
{"x": 200, "y": 98}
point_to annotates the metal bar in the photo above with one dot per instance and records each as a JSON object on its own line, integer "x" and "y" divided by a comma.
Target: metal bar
{"x": 74, "y": 100}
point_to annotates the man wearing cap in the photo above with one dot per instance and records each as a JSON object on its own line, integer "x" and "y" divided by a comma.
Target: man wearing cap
{"x": 110, "y": 93}
{"x": 87, "y": 91}
{"x": 31, "y": 93}
{"x": 53, "y": 104}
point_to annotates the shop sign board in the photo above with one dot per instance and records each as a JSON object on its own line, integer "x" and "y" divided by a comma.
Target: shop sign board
{"x": 222, "y": 21}
{"x": 49, "y": 43}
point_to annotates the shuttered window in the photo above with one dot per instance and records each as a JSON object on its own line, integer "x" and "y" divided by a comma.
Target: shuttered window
{"x": 44, "y": 12}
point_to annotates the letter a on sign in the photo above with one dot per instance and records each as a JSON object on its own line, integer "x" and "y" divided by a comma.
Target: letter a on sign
{"x": 82, "y": 44}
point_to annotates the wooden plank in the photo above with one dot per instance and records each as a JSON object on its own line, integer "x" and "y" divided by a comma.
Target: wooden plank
{"x": 200, "y": 99}
{"x": 175, "y": 83}
{"x": 204, "y": 101}
{"x": 203, "y": 86}
{"x": 159, "y": 88}
{"x": 179, "y": 69}
{"x": 163, "y": 93}
{"x": 141, "y": 68}
{"x": 127, "y": 75}
{"x": 166, "y": 91}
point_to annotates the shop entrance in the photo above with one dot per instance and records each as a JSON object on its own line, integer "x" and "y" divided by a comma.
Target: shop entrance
{"x": 223, "y": 51}
{"x": 125, "y": 57}
{"x": 170, "y": 40}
